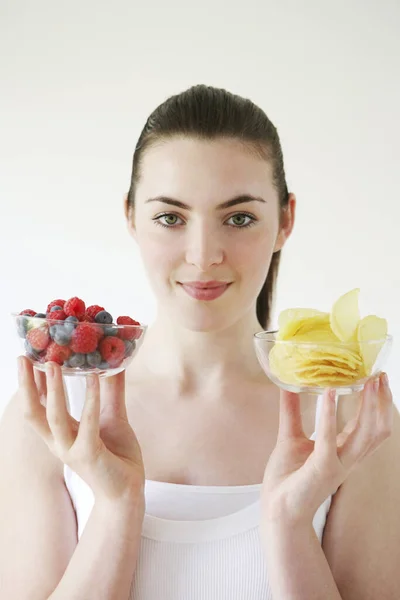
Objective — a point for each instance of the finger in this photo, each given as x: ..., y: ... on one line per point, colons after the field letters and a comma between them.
x: 58, y: 417
x: 113, y: 395
x: 34, y: 412
x: 363, y: 435
x: 325, y: 441
x: 88, y: 433
x: 384, y: 423
x: 290, y: 423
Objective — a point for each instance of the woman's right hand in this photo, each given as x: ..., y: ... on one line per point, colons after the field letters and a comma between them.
x: 102, y: 448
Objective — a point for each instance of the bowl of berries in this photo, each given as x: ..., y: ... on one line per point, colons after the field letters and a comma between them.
x: 81, y: 339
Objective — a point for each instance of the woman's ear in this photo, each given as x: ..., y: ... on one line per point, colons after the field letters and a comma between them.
x: 129, y: 216
x: 287, y: 223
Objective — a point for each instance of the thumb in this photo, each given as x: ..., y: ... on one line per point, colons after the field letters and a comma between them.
x: 290, y: 423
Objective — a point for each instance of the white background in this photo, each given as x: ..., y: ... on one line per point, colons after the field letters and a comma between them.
x: 78, y: 80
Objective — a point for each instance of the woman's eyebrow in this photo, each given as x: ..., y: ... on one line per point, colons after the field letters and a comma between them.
x: 241, y: 199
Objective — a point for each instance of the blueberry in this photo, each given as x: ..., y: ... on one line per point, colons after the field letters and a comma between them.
x: 70, y: 323
x: 103, y: 317
x: 53, y: 331
x: 111, y: 330
x: 53, y: 308
x: 31, y: 352
x: 130, y: 346
x: 62, y: 337
x: 76, y: 361
x: 28, y: 348
x: 40, y: 316
x: 21, y: 327
x: 94, y: 359
x: 104, y: 365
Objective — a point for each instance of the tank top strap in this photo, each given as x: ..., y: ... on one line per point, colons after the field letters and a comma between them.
x: 75, y: 388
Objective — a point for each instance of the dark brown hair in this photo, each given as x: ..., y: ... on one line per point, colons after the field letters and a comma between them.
x: 208, y: 113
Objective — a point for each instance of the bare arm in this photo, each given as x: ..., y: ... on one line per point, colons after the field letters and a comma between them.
x: 104, y: 561
x: 39, y: 554
x: 349, y: 564
x: 297, y: 566
x: 362, y: 535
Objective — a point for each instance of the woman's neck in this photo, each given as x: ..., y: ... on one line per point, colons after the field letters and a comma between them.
x: 196, y: 360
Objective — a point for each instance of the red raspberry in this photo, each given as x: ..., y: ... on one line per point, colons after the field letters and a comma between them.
x: 92, y: 311
x: 128, y: 333
x: 55, y: 303
x: 99, y: 330
x: 84, y: 338
x: 38, y: 338
x: 112, y: 349
x: 96, y: 326
x: 75, y: 307
x: 28, y: 312
x: 56, y: 315
x: 86, y: 319
x: 57, y: 354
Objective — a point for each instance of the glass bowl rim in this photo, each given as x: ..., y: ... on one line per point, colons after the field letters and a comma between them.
x: 259, y: 337
x: 59, y: 322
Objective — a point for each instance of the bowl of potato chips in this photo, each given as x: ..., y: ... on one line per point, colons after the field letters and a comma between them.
x: 313, y: 350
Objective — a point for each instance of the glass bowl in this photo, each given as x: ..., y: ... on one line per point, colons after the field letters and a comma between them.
x: 79, y: 347
x: 313, y: 366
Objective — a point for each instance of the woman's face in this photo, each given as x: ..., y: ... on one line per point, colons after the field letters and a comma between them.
x: 207, y: 211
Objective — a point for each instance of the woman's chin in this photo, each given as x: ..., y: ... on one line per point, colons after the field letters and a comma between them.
x: 203, y: 323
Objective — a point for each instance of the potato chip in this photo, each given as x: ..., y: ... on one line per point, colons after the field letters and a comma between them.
x: 371, y: 328
x: 345, y: 316
x: 292, y: 319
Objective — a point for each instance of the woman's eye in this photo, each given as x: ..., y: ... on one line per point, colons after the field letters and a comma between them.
x: 242, y: 220
x: 167, y: 220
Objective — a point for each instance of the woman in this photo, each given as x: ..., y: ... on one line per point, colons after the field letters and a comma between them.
x: 225, y: 487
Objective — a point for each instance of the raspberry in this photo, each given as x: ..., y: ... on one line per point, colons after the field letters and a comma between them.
x: 99, y: 330
x: 56, y: 315
x: 128, y: 333
x: 38, y: 338
x: 29, y: 312
x: 92, y: 311
x: 112, y: 350
x: 75, y: 307
x: 57, y: 354
x: 86, y: 319
x: 84, y: 339
x: 55, y: 303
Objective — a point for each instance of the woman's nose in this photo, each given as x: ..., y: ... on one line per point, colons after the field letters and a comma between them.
x: 204, y: 247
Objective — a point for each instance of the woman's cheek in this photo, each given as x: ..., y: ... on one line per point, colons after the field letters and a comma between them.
x: 160, y: 256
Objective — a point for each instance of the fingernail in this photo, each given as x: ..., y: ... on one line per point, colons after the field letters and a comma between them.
x: 50, y: 370
x: 332, y: 395
x: 376, y: 384
x: 385, y: 380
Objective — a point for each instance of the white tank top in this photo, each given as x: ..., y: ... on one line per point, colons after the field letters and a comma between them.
x: 198, y: 542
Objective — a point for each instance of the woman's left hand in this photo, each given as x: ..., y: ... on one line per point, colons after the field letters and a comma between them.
x: 301, y: 474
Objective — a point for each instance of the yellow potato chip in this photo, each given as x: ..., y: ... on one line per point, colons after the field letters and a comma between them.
x: 292, y: 319
x: 326, y: 370
x: 345, y: 316
x: 371, y: 329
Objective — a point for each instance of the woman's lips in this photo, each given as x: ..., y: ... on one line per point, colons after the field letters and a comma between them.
x: 205, y: 291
